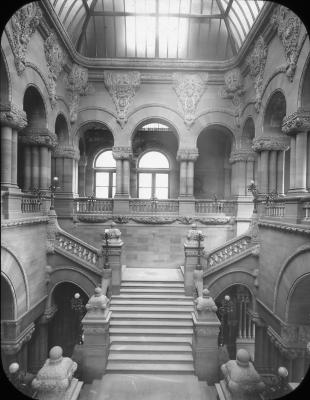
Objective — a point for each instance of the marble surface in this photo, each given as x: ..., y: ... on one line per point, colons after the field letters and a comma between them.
x: 152, y: 274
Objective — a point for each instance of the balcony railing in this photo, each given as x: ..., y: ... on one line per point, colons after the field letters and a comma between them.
x: 30, y: 204
x: 93, y: 205
x: 215, y: 207
x: 276, y: 209
x: 306, y: 211
x: 140, y: 206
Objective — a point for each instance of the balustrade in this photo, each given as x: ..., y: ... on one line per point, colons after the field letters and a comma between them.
x: 215, y: 207
x: 30, y: 204
x: 154, y: 206
x: 276, y: 209
x: 306, y: 211
x: 93, y: 206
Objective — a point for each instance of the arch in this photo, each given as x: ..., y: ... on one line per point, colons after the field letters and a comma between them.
x: 34, y: 106
x: 13, y: 271
x: 294, y: 267
x: 8, y: 298
x: 98, y: 116
x: 274, y: 112
x: 61, y: 128
x: 236, y: 284
x: 145, y: 153
x: 303, y: 92
x: 298, y: 300
x: 5, y: 84
x: 248, y: 132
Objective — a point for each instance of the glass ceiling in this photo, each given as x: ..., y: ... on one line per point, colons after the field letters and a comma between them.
x: 174, y: 29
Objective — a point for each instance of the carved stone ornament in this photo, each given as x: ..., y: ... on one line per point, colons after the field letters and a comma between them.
x: 122, y: 153
x: 66, y: 151
x: 54, y: 378
x: 11, y: 115
x: 55, y: 59
x: 114, y: 235
x: 193, y: 236
x: 38, y: 137
x: 242, y: 155
x: 277, y: 143
x: 299, y: 121
x: 234, y: 90
x: 189, y: 89
x: 98, y: 302
x: 288, y: 26
x: 122, y: 87
x: 289, y: 343
x: 51, y: 232
x: 205, y: 304
x: 187, y: 155
x: 77, y: 85
x: 296, y: 334
x: 257, y: 62
x: 24, y: 23
x: 241, y: 378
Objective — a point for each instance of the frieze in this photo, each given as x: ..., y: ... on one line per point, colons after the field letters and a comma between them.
x: 189, y: 88
x: 66, y: 152
x: 299, y: 121
x: 187, y: 155
x: 55, y: 59
x: 38, y: 137
x: 122, y: 153
x: 11, y: 115
x: 122, y: 87
x: 77, y: 85
x: 270, y: 143
x: 24, y: 23
x: 257, y: 62
x: 288, y: 28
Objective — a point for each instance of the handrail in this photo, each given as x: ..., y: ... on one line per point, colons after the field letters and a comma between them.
x: 86, y: 205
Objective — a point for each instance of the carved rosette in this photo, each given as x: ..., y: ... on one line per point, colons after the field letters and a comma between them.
x: 24, y: 23
x: 257, y: 62
x: 233, y: 90
x: 55, y: 59
x: 61, y: 151
x: 38, y: 137
x: 296, y: 122
x: 77, y: 86
x: 189, y: 89
x: 270, y: 143
x: 11, y: 115
x: 241, y: 155
x: 288, y: 27
x: 122, y: 87
x: 187, y: 155
x: 122, y: 153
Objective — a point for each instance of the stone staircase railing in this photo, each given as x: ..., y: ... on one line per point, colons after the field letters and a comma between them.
x: 76, y: 249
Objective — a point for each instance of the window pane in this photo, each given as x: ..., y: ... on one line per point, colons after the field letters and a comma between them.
x: 145, y: 180
x: 102, y: 179
x: 161, y: 193
x: 161, y: 180
x: 102, y: 191
x: 105, y: 160
x: 154, y: 159
x: 145, y: 193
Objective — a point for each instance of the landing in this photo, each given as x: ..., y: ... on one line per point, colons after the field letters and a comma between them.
x: 152, y: 274
x: 149, y: 387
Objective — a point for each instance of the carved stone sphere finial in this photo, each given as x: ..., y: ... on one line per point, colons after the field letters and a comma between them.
x: 55, y: 354
x: 243, y: 358
x: 206, y: 293
x: 194, y: 226
x: 13, y: 368
x: 98, y: 291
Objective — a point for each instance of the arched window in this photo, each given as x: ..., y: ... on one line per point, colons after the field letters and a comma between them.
x: 105, y: 170
x: 153, y: 176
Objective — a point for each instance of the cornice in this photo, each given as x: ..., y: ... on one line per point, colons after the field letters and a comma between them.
x: 284, y: 226
x: 24, y: 221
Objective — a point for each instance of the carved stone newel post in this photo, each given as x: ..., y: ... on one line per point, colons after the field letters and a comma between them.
x: 54, y: 380
x: 192, y: 247
x: 206, y: 331
x: 95, y: 349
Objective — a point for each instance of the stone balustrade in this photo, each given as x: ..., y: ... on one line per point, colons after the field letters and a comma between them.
x: 93, y: 206
x: 306, y: 211
x: 215, y: 207
x: 276, y: 209
x: 30, y: 204
x: 154, y: 206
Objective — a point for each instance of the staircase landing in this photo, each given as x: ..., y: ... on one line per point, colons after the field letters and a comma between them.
x: 152, y: 274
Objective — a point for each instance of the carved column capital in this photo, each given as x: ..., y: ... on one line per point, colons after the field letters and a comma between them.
x: 122, y: 153
x: 34, y: 136
x: 122, y: 87
x: 187, y: 154
x: 299, y: 121
x: 277, y: 143
x: 11, y: 115
x: 242, y: 155
x: 66, y: 151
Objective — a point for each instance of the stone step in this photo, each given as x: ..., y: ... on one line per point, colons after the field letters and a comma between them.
x: 151, y: 290
x: 155, y: 296
x: 151, y: 348
x: 145, y: 368
x: 156, y: 316
x: 153, y: 323
x: 155, y: 284
x: 146, y: 309
x: 151, y: 357
x: 151, y: 331
x: 163, y: 302
x: 127, y: 339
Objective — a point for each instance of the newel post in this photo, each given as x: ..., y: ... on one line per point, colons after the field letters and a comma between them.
x: 192, y: 250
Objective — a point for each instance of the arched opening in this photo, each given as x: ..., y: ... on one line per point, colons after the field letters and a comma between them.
x: 105, y: 174
x: 247, y: 137
x: 34, y: 108
x: 65, y: 328
x: 4, y: 82
x: 212, y: 168
x: 7, y: 300
x: 154, y: 169
x: 237, y: 329
x: 61, y: 129
x: 279, y: 160
x: 305, y: 92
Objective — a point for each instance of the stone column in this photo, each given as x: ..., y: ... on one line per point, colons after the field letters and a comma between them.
x: 6, y: 155
x: 187, y: 157
x: 190, y: 178
x: 280, y: 171
x: 264, y: 171
x: 308, y: 162
x: 27, y: 168
x: 183, y: 178
x: 121, y: 199
x: 301, y: 162
x: 14, y: 156
x: 126, y: 176
x: 35, y: 167
x: 239, y: 159
x: 44, y: 172
x: 81, y: 177
x: 293, y: 163
x: 272, y: 171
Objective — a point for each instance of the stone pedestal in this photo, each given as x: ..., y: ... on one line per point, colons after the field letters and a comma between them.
x: 293, y: 210
x: 186, y: 206
x: 11, y: 203
x: 244, y: 210
x: 205, y: 339
x: 121, y: 205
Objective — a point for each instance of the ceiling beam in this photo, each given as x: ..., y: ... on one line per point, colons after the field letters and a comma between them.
x: 228, y: 7
x: 86, y: 5
x: 231, y: 37
x: 85, y: 23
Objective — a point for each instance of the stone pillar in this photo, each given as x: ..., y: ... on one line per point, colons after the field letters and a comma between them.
x: 126, y: 176
x: 191, y: 251
x: 95, y: 350
x: 44, y: 172
x: 280, y: 171
x: 301, y: 162
x: 272, y: 171
x: 190, y: 178
x: 14, y: 156
x: 264, y: 171
x: 292, y: 163
x: 35, y: 167
x: 6, y: 155
x: 81, y: 176
x: 187, y: 157
x: 119, y: 177
x: 183, y: 178
x: 205, y: 338
x: 240, y: 171
x: 27, y: 168
x: 122, y: 156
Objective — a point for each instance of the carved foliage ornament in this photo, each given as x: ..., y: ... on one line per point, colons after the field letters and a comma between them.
x: 77, y: 85
x: 122, y: 153
x: 233, y: 90
x: 189, y: 89
x: 66, y: 152
x: 288, y: 25
x: 11, y: 115
x: 55, y: 59
x: 24, y: 23
x: 187, y: 155
x: 122, y: 87
x: 297, y: 122
x: 257, y: 62
x: 270, y: 143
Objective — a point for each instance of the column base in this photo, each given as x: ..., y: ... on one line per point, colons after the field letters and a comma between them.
x: 297, y: 192
x: 11, y: 198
